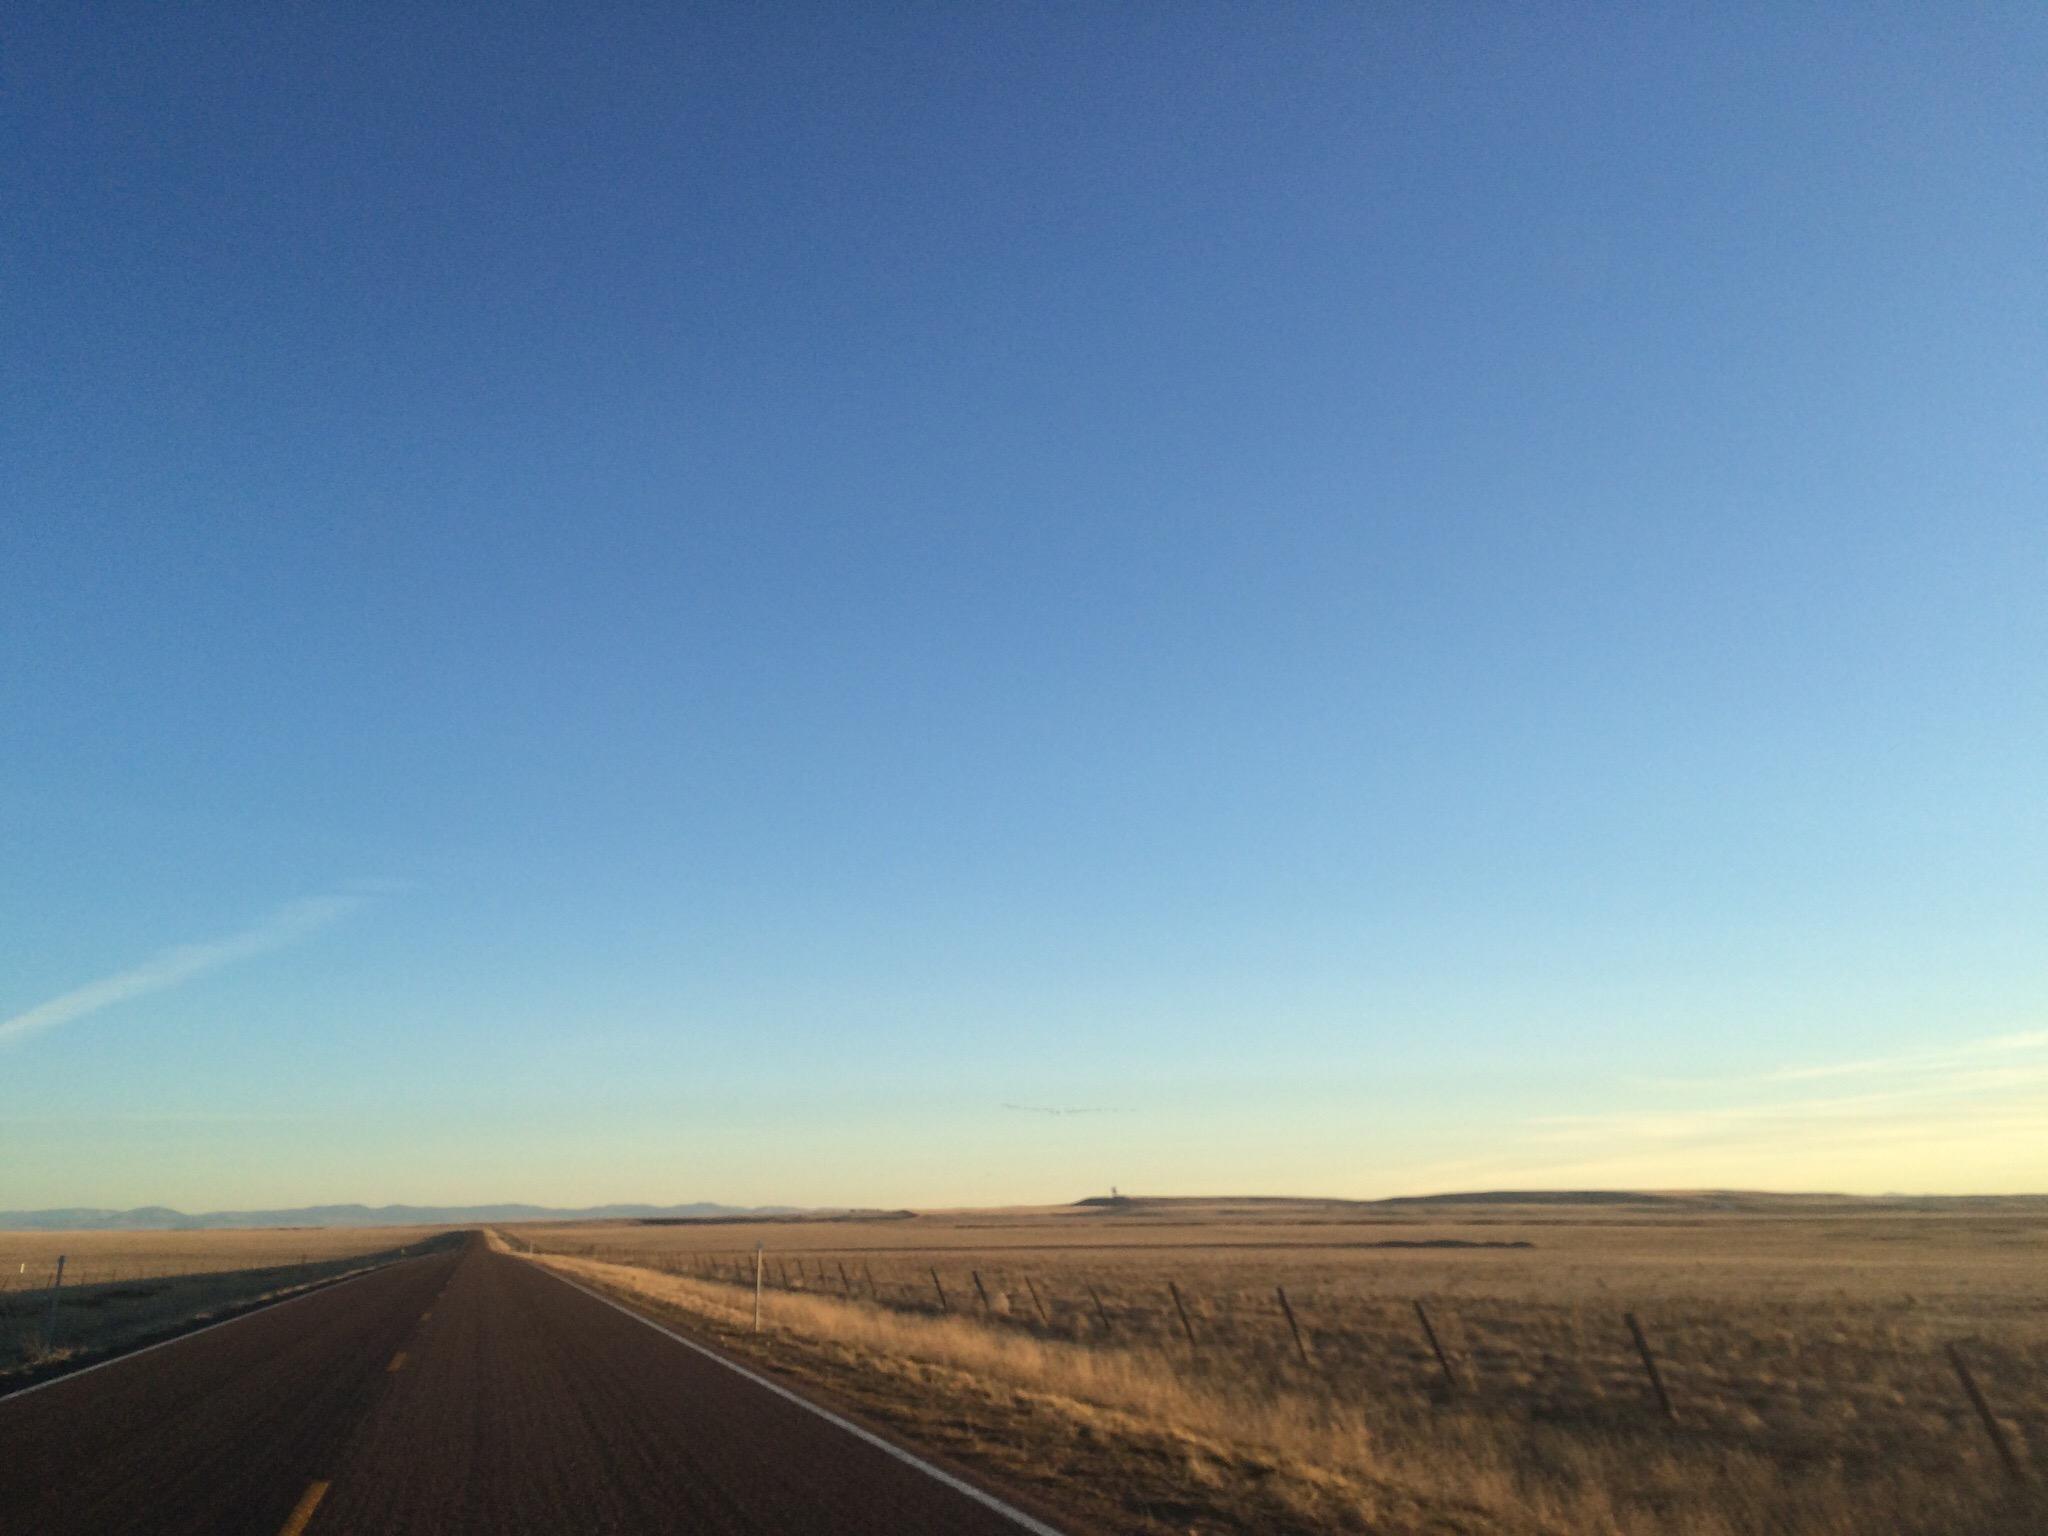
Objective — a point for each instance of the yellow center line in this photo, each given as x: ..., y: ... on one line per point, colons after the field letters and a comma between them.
x: 397, y: 1362
x: 303, y: 1510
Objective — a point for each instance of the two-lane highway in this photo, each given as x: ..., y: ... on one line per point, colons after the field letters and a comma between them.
x: 215, y: 1432
x: 468, y: 1392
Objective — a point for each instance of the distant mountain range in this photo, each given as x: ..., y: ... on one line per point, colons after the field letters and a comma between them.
x: 161, y: 1218
x: 1255, y: 1207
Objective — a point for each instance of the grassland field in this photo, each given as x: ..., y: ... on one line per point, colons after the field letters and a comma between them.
x: 1804, y: 1348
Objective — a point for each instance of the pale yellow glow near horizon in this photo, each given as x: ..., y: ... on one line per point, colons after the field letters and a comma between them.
x: 1971, y: 1118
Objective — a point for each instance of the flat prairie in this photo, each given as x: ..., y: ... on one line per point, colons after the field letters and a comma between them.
x: 1803, y: 1347
x: 27, y: 1257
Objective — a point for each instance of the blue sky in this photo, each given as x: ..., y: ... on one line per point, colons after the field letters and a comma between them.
x: 641, y: 604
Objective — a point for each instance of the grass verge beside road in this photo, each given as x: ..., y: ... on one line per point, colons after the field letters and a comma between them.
x: 1102, y: 1434
x: 112, y: 1305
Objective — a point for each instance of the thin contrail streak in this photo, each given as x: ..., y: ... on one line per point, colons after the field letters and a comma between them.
x: 1043, y: 1109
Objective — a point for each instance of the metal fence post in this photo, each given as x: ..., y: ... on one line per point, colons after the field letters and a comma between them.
x: 1295, y: 1327
x: 1992, y: 1427
x: 50, y: 1327
x: 1443, y: 1360
x: 1186, y: 1327
x: 1650, y: 1365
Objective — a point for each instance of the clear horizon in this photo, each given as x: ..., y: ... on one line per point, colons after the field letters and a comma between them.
x: 921, y: 607
x: 770, y: 1209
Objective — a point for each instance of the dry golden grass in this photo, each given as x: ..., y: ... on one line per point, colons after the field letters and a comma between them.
x: 121, y: 1288
x: 1804, y: 1351
x: 1159, y: 1454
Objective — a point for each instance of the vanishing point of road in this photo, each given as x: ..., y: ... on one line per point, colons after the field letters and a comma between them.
x: 466, y: 1391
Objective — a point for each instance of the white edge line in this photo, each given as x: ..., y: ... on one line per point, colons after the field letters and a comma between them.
x: 957, y: 1484
x: 268, y: 1306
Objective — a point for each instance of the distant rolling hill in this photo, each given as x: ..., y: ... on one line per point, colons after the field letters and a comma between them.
x: 160, y: 1218
x: 1754, y: 1202
x: 1758, y: 1201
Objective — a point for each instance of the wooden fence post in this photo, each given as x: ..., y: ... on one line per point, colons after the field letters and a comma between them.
x: 981, y: 1290
x: 944, y: 1305
x: 845, y: 1284
x: 1992, y: 1427
x: 1293, y: 1326
x: 873, y: 1289
x: 1443, y: 1360
x: 1650, y: 1365
x: 1186, y: 1327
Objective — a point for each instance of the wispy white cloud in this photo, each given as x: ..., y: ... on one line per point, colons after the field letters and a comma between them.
x: 182, y: 963
x: 2024, y: 1041
x: 1960, y: 1116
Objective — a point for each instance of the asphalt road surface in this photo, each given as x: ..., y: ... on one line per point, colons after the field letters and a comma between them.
x: 462, y: 1392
